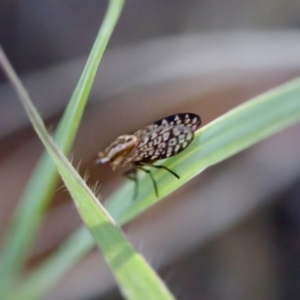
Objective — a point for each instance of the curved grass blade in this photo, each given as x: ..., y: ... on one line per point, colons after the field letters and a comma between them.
x: 36, y: 197
x: 231, y: 133
x: 136, y: 279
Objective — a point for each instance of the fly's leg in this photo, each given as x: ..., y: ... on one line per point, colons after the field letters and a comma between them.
x: 165, y: 168
x: 151, y: 176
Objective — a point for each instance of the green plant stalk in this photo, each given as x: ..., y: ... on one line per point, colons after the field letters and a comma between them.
x: 233, y: 132
x: 135, y: 277
x: 39, y: 191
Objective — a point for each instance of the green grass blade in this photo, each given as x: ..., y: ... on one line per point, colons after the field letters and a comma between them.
x: 135, y: 277
x: 40, y: 188
x: 233, y: 132
x: 236, y: 130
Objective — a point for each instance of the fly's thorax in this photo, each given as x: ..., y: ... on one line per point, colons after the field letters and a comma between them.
x: 117, y: 152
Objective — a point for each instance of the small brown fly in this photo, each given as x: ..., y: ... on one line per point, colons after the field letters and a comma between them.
x: 141, y: 149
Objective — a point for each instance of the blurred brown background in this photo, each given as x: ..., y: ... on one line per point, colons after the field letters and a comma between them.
x: 233, y: 232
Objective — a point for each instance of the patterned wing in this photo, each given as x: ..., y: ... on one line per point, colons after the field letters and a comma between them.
x: 188, y: 119
x: 165, y: 137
